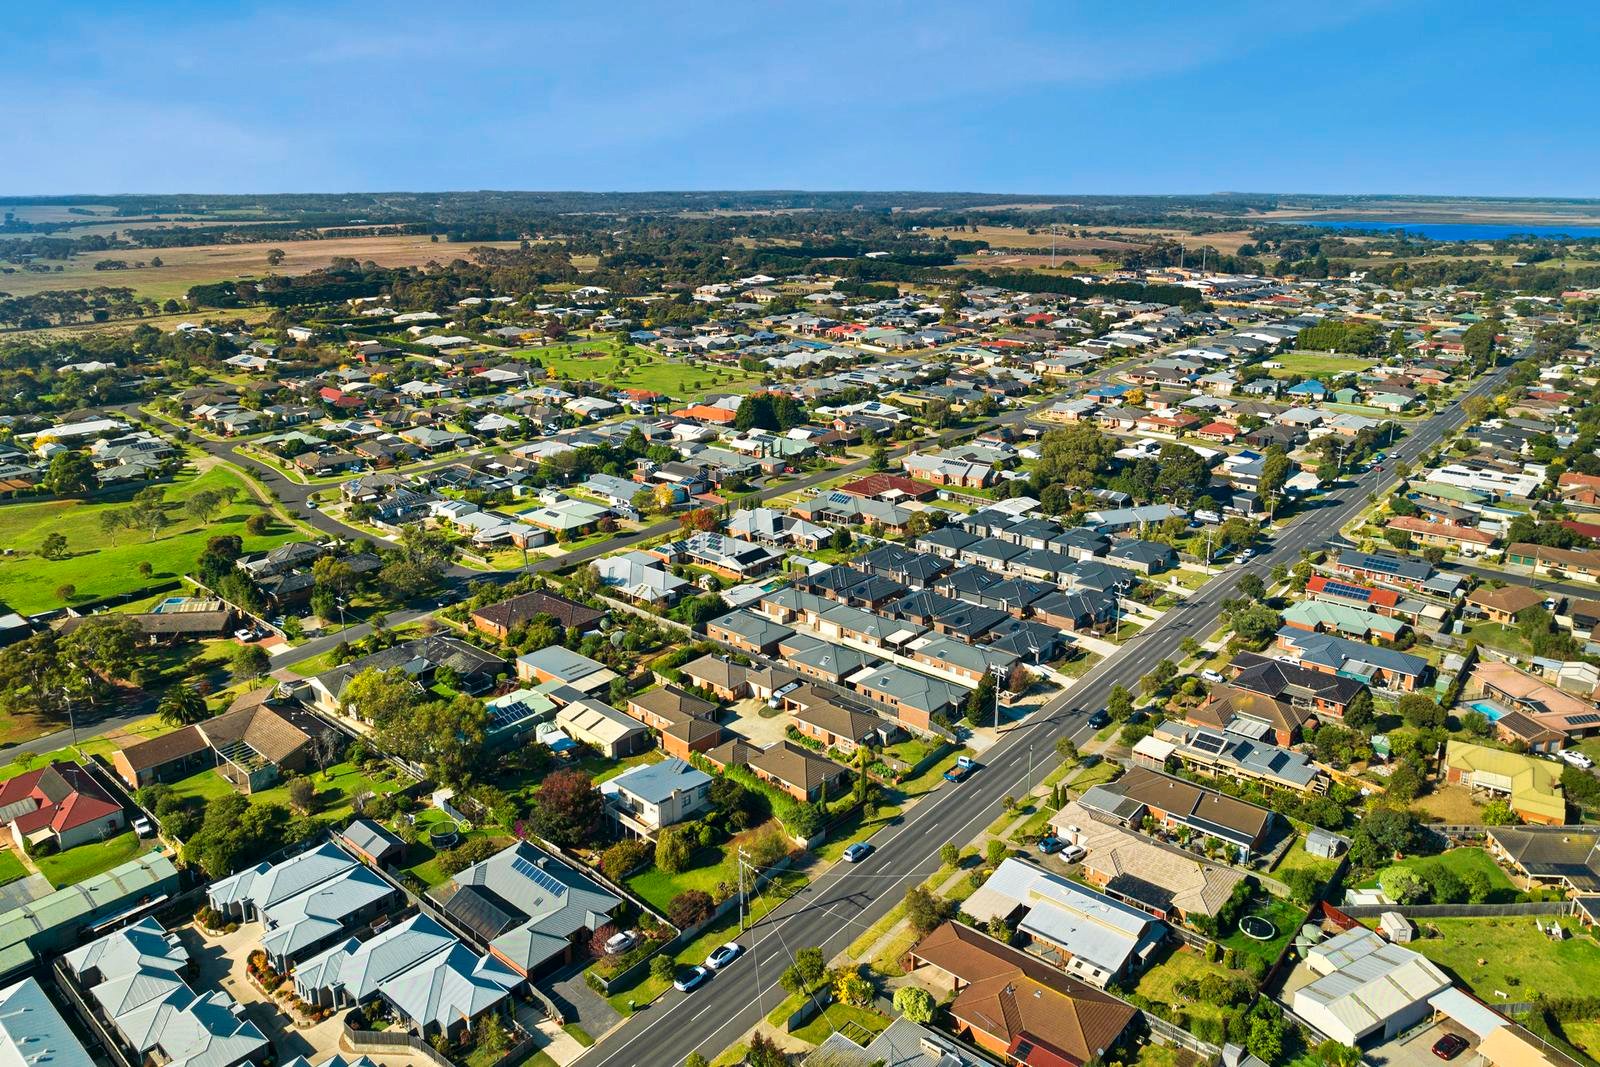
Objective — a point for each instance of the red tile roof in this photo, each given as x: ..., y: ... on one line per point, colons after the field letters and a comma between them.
x: 66, y: 795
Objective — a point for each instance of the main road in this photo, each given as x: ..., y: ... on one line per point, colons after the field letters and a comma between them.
x: 845, y: 899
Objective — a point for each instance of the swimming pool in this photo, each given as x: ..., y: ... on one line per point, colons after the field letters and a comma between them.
x: 1490, y: 711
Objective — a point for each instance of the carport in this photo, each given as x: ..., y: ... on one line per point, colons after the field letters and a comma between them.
x: 1470, y: 1014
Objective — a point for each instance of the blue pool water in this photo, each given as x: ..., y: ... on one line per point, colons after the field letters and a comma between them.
x: 1453, y: 231
x: 1490, y: 711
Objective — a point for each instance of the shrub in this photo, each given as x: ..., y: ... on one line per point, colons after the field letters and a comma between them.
x: 689, y: 907
x: 915, y: 1004
x: 624, y: 857
x: 662, y: 967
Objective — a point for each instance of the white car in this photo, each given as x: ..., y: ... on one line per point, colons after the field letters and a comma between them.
x: 1211, y: 676
x: 723, y: 955
x: 1072, y: 853
x: 1576, y: 758
x: 142, y: 827
x: 620, y: 942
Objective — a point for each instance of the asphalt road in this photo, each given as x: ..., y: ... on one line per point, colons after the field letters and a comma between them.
x: 844, y: 900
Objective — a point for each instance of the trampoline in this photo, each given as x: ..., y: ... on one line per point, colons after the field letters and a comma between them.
x: 1257, y: 928
x: 443, y: 838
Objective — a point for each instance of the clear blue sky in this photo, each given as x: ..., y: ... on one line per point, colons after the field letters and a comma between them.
x: 1457, y: 97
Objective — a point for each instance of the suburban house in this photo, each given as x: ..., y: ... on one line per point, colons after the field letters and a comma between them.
x: 556, y: 663
x: 305, y: 902
x: 498, y: 620
x: 533, y: 911
x: 684, y: 723
x: 603, y: 728
x: 845, y: 729
x: 136, y: 983
x: 1366, y: 989
x: 1382, y: 668
x: 732, y: 681
x: 1568, y: 859
x: 1179, y: 804
x: 1531, y: 785
x: 420, y: 659
x: 748, y: 632
x: 431, y: 981
x: 1087, y: 934
x: 792, y: 768
x: 1503, y: 605
x: 645, y: 798
x: 1017, y: 1006
x: 915, y: 697
x: 1129, y: 867
x: 61, y: 805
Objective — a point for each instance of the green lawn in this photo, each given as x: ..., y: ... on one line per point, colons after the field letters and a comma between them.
x: 1280, y: 913
x: 86, y: 861
x: 642, y: 369
x: 856, y: 828
x: 838, y: 1017
x: 106, y: 564
x: 1516, y: 959
x: 336, y: 790
x: 1295, y: 857
x: 423, y: 859
x: 1317, y: 364
x: 1498, y: 635
x: 1157, y: 983
x: 1459, y: 861
x: 709, y: 866
x: 11, y: 868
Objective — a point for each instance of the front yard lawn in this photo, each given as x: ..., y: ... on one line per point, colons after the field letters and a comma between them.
x: 710, y: 866
x: 86, y: 861
x: 838, y: 1017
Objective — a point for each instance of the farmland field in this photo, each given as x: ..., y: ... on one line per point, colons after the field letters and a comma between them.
x: 185, y: 267
x: 638, y: 369
x: 101, y: 563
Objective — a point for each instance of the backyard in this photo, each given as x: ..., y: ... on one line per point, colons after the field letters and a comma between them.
x: 103, y: 563
x: 86, y: 861
x: 1458, y: 861
x: 1506, y: 955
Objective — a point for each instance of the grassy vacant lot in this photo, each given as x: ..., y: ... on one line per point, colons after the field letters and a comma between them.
x: 1516, y: 959
x: 1316, y: 364
x: 86, y: 861
x: 184, y: 267
x: 638, y: 368
x: 103, y: 563
x: 1158, y: 983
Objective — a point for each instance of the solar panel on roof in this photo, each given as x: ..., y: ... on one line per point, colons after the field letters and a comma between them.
x: 1210, y: 743
x: 543, y: 879
x: 1354, y: 592
x: 1583, y: 720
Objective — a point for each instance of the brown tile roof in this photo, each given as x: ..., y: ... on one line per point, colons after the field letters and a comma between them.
x: 670, y: 702
x: 796, y: 765
x: 1185, y: 799
x: 841, y: 722
x: 1510, y: 598
x: 519, y: 609
x: 275, y: 734
x: 1226, y: 701
x: 1016, y: 998
x: 165, y: 749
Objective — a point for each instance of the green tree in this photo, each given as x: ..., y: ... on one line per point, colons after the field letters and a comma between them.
x: 54, y: 545
x: 1076, y: 455
x: 981, y: 702
x: 925, y: 911
x: 915, y: 1004
x: 674, y: 850
x: 69, y: 472
x: 250, y: 662
x: 182, y: 705
x: 378, y: 696
x: 1119, y: 703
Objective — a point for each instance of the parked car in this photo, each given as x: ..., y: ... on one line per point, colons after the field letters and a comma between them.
x: 1576, y: 758
x: 1099, y: 719
x: 621, y: 942
x: 142, y: 827
x: 1073, y: 853
x: 857, y: 852
x: 723, y: 955
x: 1050, y: 843
x: 1211, y: 676
x: 1450, y: 1046
x: 690, y: 980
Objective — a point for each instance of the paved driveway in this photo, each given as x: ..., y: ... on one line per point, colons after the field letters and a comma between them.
x: 578, y: 1003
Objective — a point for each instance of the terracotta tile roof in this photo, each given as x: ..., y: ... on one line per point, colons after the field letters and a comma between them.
x: 1022, y: 1001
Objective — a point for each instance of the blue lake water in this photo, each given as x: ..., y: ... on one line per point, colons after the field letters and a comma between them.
x: 1453, y: 231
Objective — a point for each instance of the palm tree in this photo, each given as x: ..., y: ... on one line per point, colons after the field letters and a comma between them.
x: 182, y: 705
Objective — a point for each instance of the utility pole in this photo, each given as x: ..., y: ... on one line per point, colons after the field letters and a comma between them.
x: 743, y: 904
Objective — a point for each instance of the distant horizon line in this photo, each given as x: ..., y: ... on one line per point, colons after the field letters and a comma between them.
x: 7, y: 198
